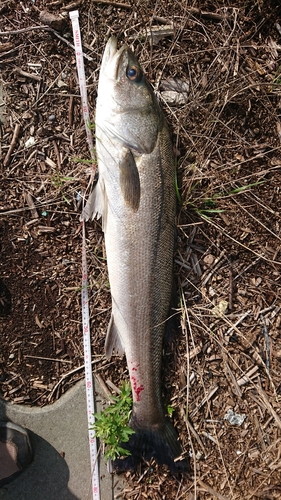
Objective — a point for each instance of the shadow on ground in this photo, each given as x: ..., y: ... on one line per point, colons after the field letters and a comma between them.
x: 46, y: 478
x: 59, y: 437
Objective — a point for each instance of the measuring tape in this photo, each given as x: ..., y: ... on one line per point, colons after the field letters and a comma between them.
x: 88, y: 373
x: 74, y: 16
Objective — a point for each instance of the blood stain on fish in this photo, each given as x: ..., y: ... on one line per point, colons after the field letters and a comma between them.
x: 137, y: 388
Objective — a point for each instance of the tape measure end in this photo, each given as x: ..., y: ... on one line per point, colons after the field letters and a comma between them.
x: 74, y: 14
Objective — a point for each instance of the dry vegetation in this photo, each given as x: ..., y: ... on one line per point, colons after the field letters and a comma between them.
x: 226, y: 129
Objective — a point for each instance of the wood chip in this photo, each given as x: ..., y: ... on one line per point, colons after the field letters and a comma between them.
x: 31, y: 205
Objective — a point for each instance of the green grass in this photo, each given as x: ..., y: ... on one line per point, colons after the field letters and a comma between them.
x: 210, y: 204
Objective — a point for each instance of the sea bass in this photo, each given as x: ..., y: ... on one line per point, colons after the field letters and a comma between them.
x: 135, y: 196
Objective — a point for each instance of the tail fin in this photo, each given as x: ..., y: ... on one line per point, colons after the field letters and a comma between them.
x: 161, y: 444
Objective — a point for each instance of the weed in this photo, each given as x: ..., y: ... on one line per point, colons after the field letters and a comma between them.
x: 277, y: 77
x: 210, y: 203
x: 177, y: 189
x: 241, y: 189
x: 84, y: 161
x: 59, y: 181
x: 111, y: 425
x: 170, y: 410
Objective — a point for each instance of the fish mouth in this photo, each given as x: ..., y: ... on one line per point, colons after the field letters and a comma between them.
x: 110, y: 48
x: 112, y: 57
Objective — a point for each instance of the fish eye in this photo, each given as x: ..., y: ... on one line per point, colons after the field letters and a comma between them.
x: 134, y: 73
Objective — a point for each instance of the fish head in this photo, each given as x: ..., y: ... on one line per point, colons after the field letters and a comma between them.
x: 127, y: 109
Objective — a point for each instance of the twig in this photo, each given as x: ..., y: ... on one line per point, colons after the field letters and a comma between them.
x: 12, y: 145
x: 56, y: 148
x: 113, y: 386
x: 195, y: 434
x: 194, y: 352
x: 230, y: 294
x: 259, y: 431
x: 162, y: 20
x: 45, y: 229
x: 103, y: 385
x: 208, y: 15
x: 267, y: 344
x: 258, y: 359
x: 264, y: 399
x: 31, y: 205
x: 195, y: 265
x: 23, y: 30
x: 9, y: 53
x: 278, y: 27
x: 247, y: 268
x: 143, y: 475
x: 68, y: 374
x: 45, y: 28
x: 236, y: 66
x: 208, y: 396
x: 32, y: 76
x: 48, y: 359
x: 238, y: 322
x: 196, y: 11
x: 70, y: 110
x: 247, y: 376
x: 218, y: 263
x: 114, y: 4
x: 184, y: 323
x: 70, y: 6
x: 263, y: 311
x: 68, y: 43
x: 233, y: 379
x: 42, y: 96
x: 181, y: 263
x: 209, y: 436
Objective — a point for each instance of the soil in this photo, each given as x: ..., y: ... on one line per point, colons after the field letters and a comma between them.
x: 222, y: 60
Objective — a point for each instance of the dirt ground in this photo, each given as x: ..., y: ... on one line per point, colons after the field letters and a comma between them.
x: 216, y: 67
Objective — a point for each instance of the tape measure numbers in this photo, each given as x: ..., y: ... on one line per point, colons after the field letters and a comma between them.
x: 74, y: 16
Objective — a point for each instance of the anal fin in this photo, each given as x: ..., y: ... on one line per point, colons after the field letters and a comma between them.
x: 113, y: 341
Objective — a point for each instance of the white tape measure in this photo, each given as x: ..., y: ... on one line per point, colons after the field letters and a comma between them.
x: 74, y: 16
x: 88, y: 372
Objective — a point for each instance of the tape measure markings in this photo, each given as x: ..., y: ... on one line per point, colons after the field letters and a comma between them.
x: 74, y: 16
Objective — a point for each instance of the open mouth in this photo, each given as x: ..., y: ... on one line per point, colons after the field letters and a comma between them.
x: 113, y: 56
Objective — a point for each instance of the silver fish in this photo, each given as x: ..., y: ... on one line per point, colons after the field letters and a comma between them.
x: 135, y: 195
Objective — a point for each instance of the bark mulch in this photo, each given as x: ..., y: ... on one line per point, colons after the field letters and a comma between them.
x: 216, y: 67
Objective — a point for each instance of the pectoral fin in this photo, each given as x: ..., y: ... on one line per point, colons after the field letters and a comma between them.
x: 130, y: 181
x: 113, y: 341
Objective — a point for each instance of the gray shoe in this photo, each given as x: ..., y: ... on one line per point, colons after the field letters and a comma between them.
x: 15, y: 451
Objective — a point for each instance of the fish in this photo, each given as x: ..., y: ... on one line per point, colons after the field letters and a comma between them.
x: 135, y: 196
